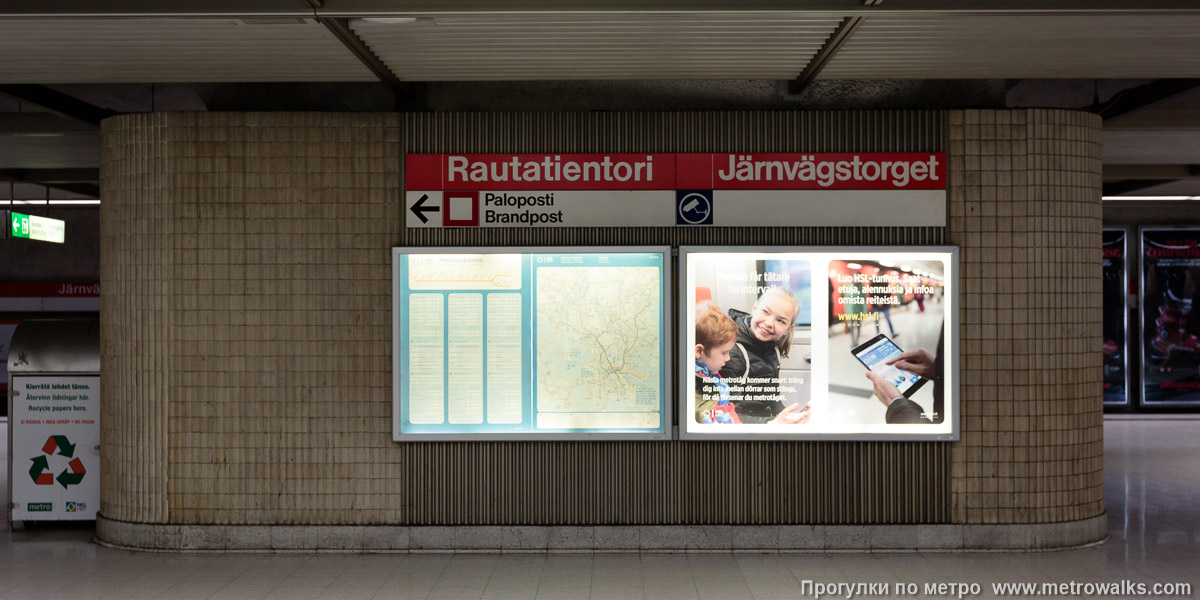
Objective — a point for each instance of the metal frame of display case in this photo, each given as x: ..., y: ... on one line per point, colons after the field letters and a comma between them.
x: 952, y: 343
x: 665, y: 431
x: 1142, y: 403
x: 1125, y: 350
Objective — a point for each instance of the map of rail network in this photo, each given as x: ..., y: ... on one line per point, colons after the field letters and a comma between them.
x: 501, y: 345
x: 598, y: 345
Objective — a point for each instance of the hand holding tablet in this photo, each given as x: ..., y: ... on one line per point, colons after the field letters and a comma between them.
x: 883, y: 358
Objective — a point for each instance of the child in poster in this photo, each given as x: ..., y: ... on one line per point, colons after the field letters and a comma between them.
x: 716, y: 335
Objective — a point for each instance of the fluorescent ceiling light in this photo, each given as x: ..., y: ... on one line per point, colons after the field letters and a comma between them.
x: 1150, y: 197
x: 853, y: 266
x: 392, y: 20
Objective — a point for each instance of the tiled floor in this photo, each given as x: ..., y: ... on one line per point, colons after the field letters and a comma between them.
x: 1152, y: 487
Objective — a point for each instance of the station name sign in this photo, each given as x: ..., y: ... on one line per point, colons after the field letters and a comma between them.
x: 712, y: 189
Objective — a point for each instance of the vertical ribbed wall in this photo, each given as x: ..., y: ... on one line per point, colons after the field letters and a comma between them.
x: 279, y: 348
x: 1025, y: 208
x: 136, y: 238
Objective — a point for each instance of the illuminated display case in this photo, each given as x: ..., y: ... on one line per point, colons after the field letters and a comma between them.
x: 777, y: 343
x: 516, y: 343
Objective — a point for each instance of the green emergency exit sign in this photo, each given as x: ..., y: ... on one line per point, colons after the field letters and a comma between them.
x: 32, y: 227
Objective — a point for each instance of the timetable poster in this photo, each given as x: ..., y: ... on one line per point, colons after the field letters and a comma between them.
x: 557, y: 342
x: 1115, y: 319
x: 1171, y: 341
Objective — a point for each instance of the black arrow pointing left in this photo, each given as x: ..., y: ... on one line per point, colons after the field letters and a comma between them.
x: 420, y: 209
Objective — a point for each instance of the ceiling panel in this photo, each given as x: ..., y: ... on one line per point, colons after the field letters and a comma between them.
x: 1021, y: 46
x: 172, y: 50
x: 598, y: 46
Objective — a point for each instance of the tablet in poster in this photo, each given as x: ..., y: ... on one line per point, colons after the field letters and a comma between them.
x: 818, y: 343
x: 510, y: 344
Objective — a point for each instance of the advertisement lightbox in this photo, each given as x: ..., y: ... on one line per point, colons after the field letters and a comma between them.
x: 1170, y: 283
x: 511, y: 343
x: 1116, y: 319
x: 846, y: 343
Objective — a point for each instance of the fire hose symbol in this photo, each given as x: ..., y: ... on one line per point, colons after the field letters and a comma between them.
x: 40, y: 471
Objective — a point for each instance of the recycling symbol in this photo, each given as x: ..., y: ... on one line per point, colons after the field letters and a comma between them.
x: 40, y: 471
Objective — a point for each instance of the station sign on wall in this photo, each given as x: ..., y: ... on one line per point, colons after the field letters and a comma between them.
x: 658, y: 190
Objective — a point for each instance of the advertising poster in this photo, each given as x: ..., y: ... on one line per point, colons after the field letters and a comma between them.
x: 1170, y: 287
x: 1116, y: 317
x: 55, y: 429
x: 822, y: 343
x: 567, y: 343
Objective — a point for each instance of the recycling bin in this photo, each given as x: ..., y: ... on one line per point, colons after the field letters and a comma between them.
x: 54, y: 421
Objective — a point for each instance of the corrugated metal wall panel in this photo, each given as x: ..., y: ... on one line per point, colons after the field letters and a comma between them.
x: 675, y: 482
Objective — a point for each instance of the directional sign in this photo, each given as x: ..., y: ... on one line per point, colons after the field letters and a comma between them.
x: 32, y: 227
x: 688, y: 190
x: 420, y: 208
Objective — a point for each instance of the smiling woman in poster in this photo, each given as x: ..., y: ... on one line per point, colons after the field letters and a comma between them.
x: 763, y: 337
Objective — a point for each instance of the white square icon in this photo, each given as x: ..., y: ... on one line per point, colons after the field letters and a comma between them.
x: 460, y: 208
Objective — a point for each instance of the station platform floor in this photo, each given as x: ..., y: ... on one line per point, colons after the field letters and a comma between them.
x: 1152, y: 490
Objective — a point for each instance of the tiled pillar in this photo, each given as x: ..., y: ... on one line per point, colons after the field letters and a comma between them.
x: 1025, y: 209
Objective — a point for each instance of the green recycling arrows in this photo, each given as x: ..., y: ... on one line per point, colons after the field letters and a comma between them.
x: 40, y: 471
x: 65, y: 447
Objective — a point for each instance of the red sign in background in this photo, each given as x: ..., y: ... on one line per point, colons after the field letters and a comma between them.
x: 709, y: 171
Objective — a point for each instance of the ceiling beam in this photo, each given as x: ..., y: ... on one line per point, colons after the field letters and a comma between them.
x: 91, y: 190
x: 1144, y: 96
x: 839, y: 37
x: 384, y: 8
x: 84, y: 182
x: 1167, y: 119
x: 1151, y: 172
x: 154, y: 8
x: 30, y: 123
x: 44, y: 176
x: 1117, y: 188
x: 56, y: 102
x: 406, y: 93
